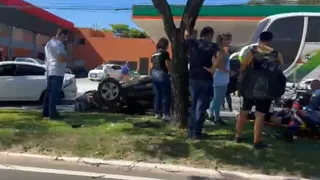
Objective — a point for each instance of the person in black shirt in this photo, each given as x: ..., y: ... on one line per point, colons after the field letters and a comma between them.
x: 161, y: 80
x: 201, y: 53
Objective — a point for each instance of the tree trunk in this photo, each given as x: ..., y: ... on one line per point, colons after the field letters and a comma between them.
x: 180, y: 100
x: 179, y: 71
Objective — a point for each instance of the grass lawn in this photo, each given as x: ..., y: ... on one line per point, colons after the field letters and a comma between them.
x: 116, y: 136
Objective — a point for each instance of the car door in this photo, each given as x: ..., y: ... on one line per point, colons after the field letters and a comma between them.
x: 7, y: 90
x: 31, y: 81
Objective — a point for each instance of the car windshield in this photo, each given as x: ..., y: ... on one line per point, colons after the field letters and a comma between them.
x: 99, y: 67
x: 261, y: 26
x: 40, y: 61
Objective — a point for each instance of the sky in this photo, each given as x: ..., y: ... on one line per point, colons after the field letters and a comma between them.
x: 102, y: 18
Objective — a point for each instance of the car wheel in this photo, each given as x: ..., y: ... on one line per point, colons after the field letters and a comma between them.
x: 109, y: 91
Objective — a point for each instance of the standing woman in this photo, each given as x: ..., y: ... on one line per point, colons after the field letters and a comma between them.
x: 161, y: 80
x: 220, y: 70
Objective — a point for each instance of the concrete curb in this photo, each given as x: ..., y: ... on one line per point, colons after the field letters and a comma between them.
x: 164, y: 167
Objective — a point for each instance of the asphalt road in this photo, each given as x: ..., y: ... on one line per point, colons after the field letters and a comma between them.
x: 22, y: 168
x: 84, y: 85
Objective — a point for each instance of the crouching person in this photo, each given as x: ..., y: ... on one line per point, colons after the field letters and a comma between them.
x: 305, y: 116
x: 161, y: 80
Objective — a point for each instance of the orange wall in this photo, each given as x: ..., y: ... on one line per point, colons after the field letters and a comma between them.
x: 19, y: 52
x: 101, y: 47
x: 4, y: 52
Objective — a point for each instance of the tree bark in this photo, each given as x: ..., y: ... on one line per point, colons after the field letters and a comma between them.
x: 179, y: 70
x: 179, y: 74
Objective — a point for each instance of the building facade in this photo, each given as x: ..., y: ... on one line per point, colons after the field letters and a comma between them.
x: 239, y: 20
x: 24, y: 29
x: 95, y: 47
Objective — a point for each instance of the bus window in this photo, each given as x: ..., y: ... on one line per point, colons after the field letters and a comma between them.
x: 287, y: 34
x: 259, y: 29
x: 313, y: 33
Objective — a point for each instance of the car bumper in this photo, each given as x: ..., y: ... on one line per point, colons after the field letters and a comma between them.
x: 95, y: 76
x: 70, y: 91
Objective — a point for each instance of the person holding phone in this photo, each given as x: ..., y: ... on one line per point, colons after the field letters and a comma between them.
x: 56, y: 63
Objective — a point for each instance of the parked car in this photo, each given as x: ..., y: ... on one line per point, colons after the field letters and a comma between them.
x: 105, y: 70
x: 37, y: 61
x: 24, y: 81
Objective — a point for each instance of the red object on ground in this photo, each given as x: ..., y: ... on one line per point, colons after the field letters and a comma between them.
x: 38, y: 12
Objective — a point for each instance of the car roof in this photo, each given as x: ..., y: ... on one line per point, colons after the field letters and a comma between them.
x: 111, y: 64
x: 21, y: 63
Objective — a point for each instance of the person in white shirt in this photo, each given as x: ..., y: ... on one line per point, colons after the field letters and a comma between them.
x: 56, y: 58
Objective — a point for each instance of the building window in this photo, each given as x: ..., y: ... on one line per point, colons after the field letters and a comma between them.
x: 4, y: 30
x: 80, y: 41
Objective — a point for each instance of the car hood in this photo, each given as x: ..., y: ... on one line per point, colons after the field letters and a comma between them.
x: 96, y: 71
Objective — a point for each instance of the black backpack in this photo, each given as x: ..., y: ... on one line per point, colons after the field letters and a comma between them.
x: 263, y: 78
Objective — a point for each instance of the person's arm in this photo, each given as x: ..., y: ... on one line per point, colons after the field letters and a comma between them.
x: 280, y: 59
x: 61, y: 53
x: 219, y: 63
x: 167, y: 60
x: 246, y: 61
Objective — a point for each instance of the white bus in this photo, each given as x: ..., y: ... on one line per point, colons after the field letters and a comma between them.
x: 297, y: 37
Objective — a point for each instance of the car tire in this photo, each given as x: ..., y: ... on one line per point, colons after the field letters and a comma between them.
x: 109, y: 92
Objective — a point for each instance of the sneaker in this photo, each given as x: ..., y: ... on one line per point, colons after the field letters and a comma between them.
x: 200, y: 136
x: 157, y: 116
x: 221, y: 122
x: 237, y: 139
x: 260, y: 145
x: 166, y: 118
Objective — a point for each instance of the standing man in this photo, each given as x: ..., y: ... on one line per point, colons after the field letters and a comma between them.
x: 201, y: 53
x: 56, y: 62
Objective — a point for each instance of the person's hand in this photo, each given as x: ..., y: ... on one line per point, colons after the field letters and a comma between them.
x: 210, y: 70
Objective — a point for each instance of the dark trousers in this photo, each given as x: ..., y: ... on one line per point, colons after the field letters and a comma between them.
x: 52, y: 96
x: 201, y: 92
x: 162, y: 92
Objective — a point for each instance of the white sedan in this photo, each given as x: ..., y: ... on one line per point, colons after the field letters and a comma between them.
x: 22, y: 81
x: 37, y: 61
x: 104, y: 70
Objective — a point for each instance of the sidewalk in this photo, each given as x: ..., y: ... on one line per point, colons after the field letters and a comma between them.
x: 164, y: 168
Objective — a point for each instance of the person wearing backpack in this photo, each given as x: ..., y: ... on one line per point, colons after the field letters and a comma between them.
x: 260, y: 82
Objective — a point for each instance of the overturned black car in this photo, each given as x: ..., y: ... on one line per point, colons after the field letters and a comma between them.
x: 134, y: 96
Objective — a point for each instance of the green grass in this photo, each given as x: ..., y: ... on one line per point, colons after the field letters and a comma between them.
x: 117, y: 136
